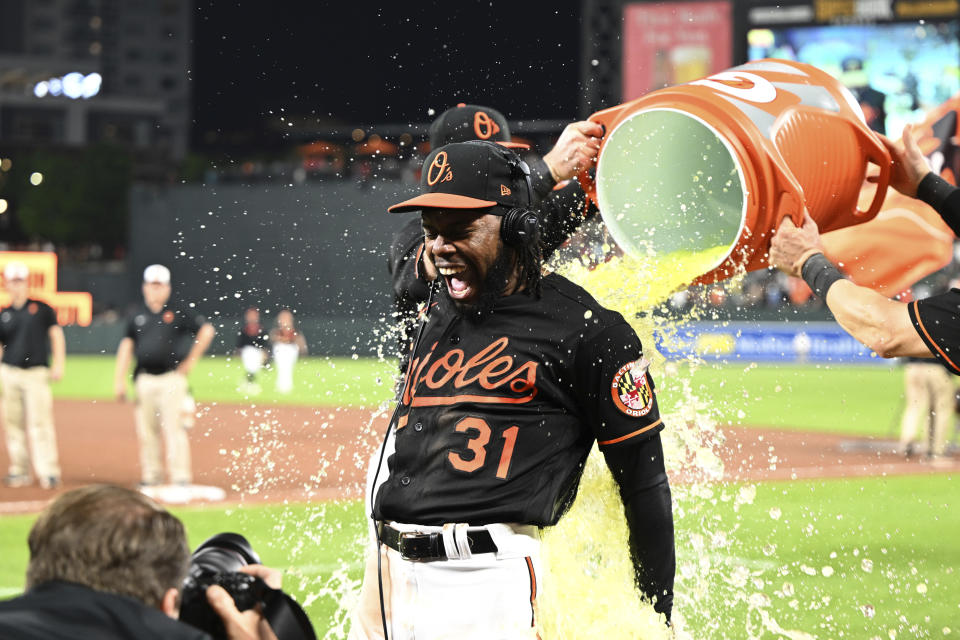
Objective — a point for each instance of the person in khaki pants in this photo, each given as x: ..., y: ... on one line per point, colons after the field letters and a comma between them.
x: 29, y: 335
x: 929, y: 391
x: 167, y: 341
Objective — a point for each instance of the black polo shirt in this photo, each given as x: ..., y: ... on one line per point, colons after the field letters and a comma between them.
x: 162, y: 340
x: 25, y: 334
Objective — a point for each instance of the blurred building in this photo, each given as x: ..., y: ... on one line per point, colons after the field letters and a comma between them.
x: 78, y: 72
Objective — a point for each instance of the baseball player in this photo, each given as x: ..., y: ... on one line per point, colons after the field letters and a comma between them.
x: 252, y: 345
x: 928, y: 328
x: 29, y: 336
x: 167, y: 341
x: 512, y: 378
x: 288, y: 345
x: 560, y: 202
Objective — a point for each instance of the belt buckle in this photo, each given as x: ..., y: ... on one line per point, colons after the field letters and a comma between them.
x: 413, y: 545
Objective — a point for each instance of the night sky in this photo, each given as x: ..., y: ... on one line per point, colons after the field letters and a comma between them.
x: 357, y: 63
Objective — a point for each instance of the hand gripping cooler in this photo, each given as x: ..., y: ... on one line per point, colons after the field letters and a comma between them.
x: 714, y: 165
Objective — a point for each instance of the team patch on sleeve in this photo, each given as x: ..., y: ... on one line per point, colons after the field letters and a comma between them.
x: 630, y: 390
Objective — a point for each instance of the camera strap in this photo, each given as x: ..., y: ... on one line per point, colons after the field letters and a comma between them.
x: 287, y: 618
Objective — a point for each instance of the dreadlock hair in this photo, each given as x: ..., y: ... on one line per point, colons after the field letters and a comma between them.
x: 530, y: 266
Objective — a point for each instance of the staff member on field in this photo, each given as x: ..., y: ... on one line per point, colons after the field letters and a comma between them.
x: 29, y: 336
x: 167, y: 341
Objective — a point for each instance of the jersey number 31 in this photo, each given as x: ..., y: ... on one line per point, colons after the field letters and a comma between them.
x: 479, y: 437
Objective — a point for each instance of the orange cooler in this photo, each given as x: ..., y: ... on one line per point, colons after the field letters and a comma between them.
x: 714, y: 165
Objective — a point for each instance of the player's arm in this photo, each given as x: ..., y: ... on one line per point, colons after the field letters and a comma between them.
x: 911, y: 175
x: 621, y: 406
x: 200, y: 345
x: 58, y: 351
x: 122, y: 368
x: 645, y: 491
x: 576, y: 149
x: 879, y: 323
x: 561, y: 214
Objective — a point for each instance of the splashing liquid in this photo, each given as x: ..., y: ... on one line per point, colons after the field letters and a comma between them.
x: 588, y: 589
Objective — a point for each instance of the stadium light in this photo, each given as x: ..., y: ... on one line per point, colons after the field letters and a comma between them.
x: 73, y: 85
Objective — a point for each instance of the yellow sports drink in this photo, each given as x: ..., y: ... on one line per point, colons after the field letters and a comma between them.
x: 711, y: 167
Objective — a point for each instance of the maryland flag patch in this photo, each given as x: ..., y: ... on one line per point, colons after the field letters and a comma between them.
x: 630, y: 390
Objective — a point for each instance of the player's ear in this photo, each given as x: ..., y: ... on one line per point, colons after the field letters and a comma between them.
x: 170, y: 604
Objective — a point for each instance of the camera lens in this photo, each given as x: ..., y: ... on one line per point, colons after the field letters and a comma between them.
x: 224, y: 553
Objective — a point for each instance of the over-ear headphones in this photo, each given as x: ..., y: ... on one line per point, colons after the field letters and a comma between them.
x: 520, y: 227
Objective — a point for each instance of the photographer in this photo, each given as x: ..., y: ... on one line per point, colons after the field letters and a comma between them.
x: 108, y: 563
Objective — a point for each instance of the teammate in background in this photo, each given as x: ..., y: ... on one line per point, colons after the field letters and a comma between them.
x: 167, y: 341
x: 34, y: 352
x: 513, y: 377
x: 929, y: 396
x: 288, y: 345
x: 252, y: 345
x: 561, y: 210
x: 928, y: 328
x: 108, y: 563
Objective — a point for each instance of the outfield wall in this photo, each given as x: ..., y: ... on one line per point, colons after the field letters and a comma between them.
x: 817, y: 342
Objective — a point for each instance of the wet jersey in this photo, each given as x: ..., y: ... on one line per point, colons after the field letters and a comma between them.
x: 25, y: 334
x: 498, y: 416
x: 162, y: 340
x: 937, y: 320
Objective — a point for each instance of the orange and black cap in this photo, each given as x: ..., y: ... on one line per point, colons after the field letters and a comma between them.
x: 471, y: 122
x: 470, y: 175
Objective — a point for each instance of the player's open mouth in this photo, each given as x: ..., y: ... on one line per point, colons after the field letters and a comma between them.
x: 458, y: 282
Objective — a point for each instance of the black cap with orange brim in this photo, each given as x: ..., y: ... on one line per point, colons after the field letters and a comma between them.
x: 469, y: 175
x: 471, y: 122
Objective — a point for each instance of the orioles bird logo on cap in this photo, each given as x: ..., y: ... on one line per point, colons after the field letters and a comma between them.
x: 439, y: 170
x: 484, y: 126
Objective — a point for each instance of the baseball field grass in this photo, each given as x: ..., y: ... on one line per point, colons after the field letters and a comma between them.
x: 843, y: 399
x: 856, y: 558
x: 873, y: 557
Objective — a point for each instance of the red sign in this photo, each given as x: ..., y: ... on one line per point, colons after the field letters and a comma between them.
x: 674, y: 42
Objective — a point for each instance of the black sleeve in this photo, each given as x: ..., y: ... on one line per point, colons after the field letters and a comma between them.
x: 409, y: 289
x: 937, y: 321
x: 943, y: 197
x: 541, y: 180
x: 131, y: 330
x: 616, y: 390
x: 49, y: 316
x: 645, y: 491
x: 561, y: 214
x: 190, y: 320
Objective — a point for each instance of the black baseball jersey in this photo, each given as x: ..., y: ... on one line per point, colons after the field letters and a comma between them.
x: 25, y: 334
x: 252, y: 335
x: 498, y: 416
x: 937, y: 320
x: 162, y: 340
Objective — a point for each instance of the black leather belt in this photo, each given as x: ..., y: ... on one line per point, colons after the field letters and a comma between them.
x: 414, y: 545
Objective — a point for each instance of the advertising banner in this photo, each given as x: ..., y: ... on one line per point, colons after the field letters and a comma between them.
x: 819, y: 342
x: 670, y: 43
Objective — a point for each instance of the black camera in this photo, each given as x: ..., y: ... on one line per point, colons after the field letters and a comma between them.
x: 218, y: 561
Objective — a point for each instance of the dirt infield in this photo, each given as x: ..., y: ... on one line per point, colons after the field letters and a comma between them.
x: 276, y: 453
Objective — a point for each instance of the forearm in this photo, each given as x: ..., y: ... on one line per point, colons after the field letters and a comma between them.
x: 881, y: 324
x: 943, y: 197
x: 645, y: 491
x: 561, y: 214
x: 650, y: 518
x: 124, y: 355
x: 541, y: 178
x: 200, y: 346
x: 58, y: 348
